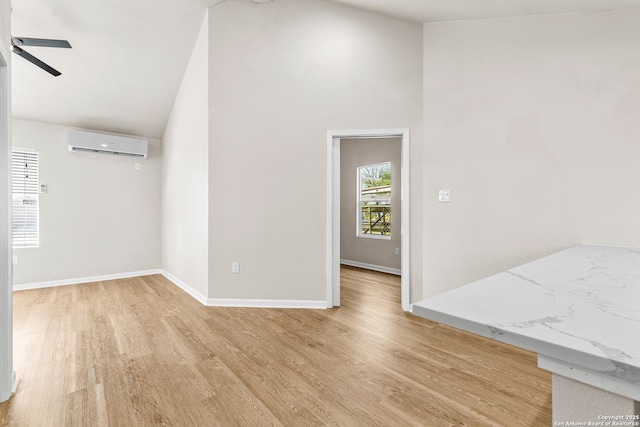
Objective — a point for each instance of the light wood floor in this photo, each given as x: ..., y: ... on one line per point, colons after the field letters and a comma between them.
x: 142, y: 352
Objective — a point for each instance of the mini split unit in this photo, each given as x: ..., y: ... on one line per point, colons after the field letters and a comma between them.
x: 92, y: 142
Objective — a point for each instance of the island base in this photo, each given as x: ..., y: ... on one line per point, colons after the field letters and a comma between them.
x: 585, y: 397
x: 575, y: 403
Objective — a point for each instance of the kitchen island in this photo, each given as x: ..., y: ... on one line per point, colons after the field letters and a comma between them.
x: 579, y: 310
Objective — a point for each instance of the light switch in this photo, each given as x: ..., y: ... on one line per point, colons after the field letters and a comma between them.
x: 444, y: 196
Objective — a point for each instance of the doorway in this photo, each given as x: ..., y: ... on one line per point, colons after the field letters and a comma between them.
x: 370, y: 210
x: 334, y: 139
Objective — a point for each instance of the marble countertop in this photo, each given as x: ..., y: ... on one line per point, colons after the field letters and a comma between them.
x: 580, y: 306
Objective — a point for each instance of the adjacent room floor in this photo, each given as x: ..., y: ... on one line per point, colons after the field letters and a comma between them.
x: 142, y: 352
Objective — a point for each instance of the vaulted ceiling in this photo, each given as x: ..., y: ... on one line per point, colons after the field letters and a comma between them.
x: 123, y: 71
x: 128, y: 56
x: 458, y: 10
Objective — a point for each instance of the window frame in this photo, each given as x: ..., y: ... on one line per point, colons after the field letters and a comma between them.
x: 359, y: 232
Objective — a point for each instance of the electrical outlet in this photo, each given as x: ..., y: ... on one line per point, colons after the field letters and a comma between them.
x: 396, y: 251
x: 15, y: 259
x: 235, y: 267
x: 137, y: 166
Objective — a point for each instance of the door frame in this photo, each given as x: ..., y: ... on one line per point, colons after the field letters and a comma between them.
x: 333, y: 209
x: 8, y: 382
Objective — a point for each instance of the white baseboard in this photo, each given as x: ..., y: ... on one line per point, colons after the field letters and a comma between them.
x: 188, y: 289
x: 66, y: 282
x: 379, y: 268
x: 210, y: 302
x: 246, y: 303
x: 266, y: 303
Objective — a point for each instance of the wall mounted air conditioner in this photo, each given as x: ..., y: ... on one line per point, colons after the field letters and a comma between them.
x: 91, y: 142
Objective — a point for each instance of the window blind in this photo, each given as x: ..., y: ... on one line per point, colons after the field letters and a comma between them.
x: 24, y: 196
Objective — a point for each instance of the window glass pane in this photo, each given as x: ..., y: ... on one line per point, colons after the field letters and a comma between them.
x: 374, y: 200
x: 375, y: 218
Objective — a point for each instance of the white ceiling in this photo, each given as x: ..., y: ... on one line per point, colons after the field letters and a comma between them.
x: 457, y: 10
x: 129, y: 56
x: 123, y: 71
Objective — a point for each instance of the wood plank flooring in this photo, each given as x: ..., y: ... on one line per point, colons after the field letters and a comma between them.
x: 142, y: 352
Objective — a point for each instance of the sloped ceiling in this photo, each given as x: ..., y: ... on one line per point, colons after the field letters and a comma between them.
x: 458, y: 10
x: 124, y: 69
x: 128, y: 56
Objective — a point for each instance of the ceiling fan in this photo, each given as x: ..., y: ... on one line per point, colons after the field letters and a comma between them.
x: 17, y: 42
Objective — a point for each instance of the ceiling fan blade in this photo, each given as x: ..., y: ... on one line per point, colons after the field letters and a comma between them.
x: 28, y: 41
x: 26, y: 55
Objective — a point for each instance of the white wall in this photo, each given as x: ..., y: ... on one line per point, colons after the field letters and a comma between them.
x: 362, y: 152
x: 7, y: 375
x: 185, y: 175
x: 5, y: 25
x: 533, y: 125
x: 281, y: 75
x: 100, y: 215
